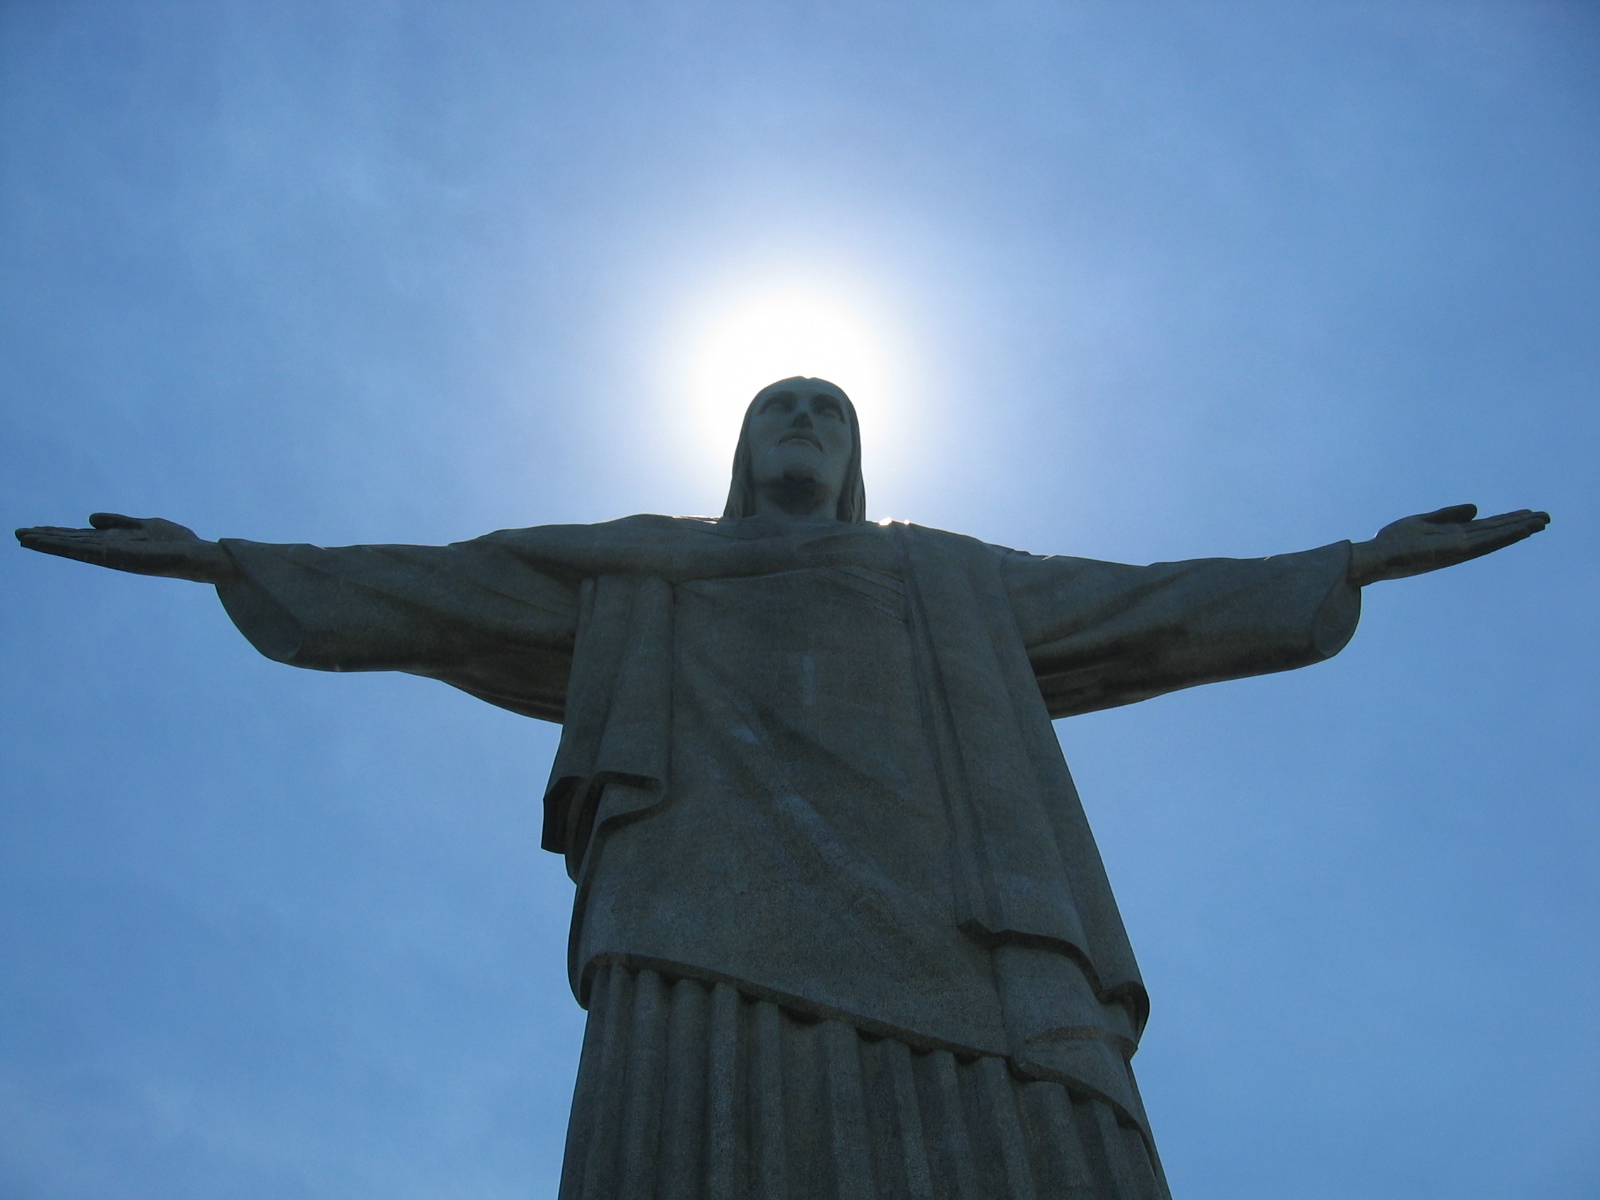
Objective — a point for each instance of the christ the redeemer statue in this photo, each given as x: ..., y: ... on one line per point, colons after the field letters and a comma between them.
x: 840, y: 925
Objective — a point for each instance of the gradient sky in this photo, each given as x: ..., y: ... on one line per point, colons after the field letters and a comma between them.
x: 1137, y: 282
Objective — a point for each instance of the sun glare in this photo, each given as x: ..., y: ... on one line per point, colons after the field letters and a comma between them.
x: 761, y: 338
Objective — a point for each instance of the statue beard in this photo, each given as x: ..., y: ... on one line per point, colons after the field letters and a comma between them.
x: 798, y: 493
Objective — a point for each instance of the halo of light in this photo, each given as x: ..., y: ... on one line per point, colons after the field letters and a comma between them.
x: 748, y: 339
x: 778, y: 335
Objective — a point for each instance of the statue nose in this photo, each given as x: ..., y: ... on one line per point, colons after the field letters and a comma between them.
x: 802, y: 420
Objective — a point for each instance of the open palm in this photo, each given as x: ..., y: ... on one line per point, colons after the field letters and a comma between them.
x: 1429, y: 541
x: 142, y: 545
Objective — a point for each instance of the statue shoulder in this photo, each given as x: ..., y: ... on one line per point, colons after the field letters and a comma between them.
x: 944, y: 541
x: 645, y: 544
x: 636, y: 528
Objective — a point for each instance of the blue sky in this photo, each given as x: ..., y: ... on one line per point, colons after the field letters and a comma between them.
x: 1134, y: 282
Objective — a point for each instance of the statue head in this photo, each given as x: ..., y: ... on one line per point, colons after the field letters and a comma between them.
x: 799, y: 454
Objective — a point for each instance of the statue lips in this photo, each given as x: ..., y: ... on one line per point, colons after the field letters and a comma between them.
x: 801, y: 435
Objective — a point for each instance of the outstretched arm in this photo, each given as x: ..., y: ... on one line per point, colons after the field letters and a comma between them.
x: 1414, y: 545
x: 471, y: 614
x: 1100, y: 634
x: 142, y: 545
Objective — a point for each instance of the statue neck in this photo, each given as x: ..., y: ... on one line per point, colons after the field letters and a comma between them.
x: 800, y: 500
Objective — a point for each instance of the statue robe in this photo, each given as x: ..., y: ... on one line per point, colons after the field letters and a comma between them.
x: 817, y: 764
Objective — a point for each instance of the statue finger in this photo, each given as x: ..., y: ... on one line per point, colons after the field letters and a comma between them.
x: 1522, y: 516
x: 1454, y: 514
x: 81, y: 544
x: 114, y: 521
x: 1523, y: 524
x: 1486, y: 541
x: 34, y: 533
x: 1501, y: 520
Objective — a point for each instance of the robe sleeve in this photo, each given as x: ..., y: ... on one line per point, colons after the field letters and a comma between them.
x: 473, y: 614
x: 1101, y: 634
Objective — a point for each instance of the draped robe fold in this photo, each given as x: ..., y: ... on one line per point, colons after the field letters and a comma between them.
x: 818, y: 764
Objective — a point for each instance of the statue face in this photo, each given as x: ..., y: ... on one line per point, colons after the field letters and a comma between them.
x: 799, y: 434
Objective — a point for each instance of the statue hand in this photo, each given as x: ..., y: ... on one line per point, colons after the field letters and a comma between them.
x: 147, y: 546
x: 1414, y: 545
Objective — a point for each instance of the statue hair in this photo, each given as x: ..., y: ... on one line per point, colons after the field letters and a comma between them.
x: 742, y: 490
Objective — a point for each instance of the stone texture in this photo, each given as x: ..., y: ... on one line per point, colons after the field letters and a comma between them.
x: 689, y: 1090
